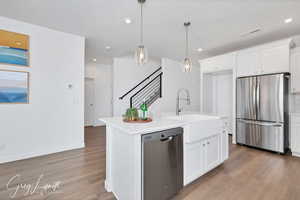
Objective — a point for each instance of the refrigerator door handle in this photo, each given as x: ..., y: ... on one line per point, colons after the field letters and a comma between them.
x: 261, y: 123
x: 254, y: 103
x: 258, y: 96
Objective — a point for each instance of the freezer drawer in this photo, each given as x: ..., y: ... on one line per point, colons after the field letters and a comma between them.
x: 269, y: 136
x: 162, y: 164
x: 246, y: 98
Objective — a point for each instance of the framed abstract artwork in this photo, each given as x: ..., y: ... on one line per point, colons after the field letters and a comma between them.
x: 14, y: 48
x: 14, y: 87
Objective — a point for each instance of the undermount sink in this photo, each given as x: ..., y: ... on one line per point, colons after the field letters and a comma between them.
x: 199, y: 126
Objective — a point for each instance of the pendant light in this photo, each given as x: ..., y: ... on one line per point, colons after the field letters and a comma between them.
x: 187, y: 63
x: 141, y: 54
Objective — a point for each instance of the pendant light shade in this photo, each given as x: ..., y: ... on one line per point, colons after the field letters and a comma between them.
x: 187, y: 62
x: 141, y: 54
x: 187, y: 65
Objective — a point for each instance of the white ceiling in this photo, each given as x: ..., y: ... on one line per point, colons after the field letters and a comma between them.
x: 217, y: 25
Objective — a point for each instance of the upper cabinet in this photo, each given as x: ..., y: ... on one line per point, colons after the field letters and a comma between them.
x: 218, y: 63
x: 295, y: 70
x: 264, y: 59
x: 276, y: 59
x: 248, y: 62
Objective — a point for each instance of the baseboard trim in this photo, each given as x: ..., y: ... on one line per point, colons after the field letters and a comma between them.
x: 99, y: 123
x: 296, y: 154
x: 13, y: 158
x: 107, y: 186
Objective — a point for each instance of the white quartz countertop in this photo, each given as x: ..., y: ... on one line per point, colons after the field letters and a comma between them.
x: 158, y: 124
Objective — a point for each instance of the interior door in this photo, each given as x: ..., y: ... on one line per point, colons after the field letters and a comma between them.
x: 89, y: 95
x: 213, y: 156
x: 270, y: 98
x: 246, y: 98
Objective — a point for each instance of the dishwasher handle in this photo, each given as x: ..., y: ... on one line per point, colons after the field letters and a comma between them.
x: 168, y: 139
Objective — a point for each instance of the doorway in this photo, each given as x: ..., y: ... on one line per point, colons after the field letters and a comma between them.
x: 218, y: 96
x: 89, y: 97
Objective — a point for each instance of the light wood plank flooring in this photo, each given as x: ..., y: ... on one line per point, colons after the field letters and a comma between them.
x: 249, y: 174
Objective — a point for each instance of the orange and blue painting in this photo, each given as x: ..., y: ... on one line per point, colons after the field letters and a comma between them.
x: 14, y: 87
x: 14, y: 48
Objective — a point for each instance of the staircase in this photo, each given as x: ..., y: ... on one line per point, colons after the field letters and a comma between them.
x: 149, y: 89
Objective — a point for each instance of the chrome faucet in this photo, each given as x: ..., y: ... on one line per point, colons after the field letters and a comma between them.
x: 187, y: 99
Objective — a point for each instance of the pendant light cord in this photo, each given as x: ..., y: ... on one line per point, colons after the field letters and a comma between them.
x: 142, y: 24
x: 187, y: 24
x: 186, y: 41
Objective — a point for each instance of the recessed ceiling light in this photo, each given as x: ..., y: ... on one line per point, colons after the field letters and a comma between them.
x: 94, y: 59
x: 127, y: 21
x: 288, y: 20
x: 199, y: 49
x: 108, y: 47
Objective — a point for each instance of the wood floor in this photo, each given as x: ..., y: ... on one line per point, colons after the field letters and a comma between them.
x: 249, y: 174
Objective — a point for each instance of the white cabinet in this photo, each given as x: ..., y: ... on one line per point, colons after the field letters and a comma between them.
x: 295, y: 136
x: 212, y: 152
x: 248, y: 62
x: 295, y: 71
x: 275, y: 59
x: 203, y: 156
x: 265, y: 59
x: 219, y: 63
x: 194, y: 161
x: 224, y: 146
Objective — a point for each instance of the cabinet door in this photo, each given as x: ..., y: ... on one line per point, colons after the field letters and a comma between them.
x: 295, y: 72
x: 212, y: 152
x: 219, y: 63
x: 193, y: 161
x: 295, y: 136
x: 224, y: 146
x: 275, y: 59
x: 208, y: 66
x: 248, y: 62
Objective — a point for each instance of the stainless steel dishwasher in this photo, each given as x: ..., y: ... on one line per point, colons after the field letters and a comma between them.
x: 162, y: 164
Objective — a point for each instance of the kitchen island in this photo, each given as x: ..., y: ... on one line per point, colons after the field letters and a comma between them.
x: 205, y: 146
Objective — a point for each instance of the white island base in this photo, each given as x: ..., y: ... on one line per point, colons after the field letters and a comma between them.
x: 205, y: 146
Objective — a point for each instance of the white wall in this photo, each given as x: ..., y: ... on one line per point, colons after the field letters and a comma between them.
x: 295, y: 103
x: 173, y: 79
x: 53, y: 120
x: 102, y: 76
x: 126, y: 74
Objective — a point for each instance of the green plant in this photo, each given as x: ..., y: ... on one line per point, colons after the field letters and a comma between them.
x: 131, y: 114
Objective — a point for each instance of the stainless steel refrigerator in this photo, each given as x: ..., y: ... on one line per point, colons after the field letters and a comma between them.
x: 262, y: 112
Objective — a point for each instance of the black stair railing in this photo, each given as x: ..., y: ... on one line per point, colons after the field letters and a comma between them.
x: 140, y: 83
x: 148, y: 93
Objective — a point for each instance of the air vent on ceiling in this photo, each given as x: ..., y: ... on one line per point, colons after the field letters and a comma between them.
x: 251, y: 32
